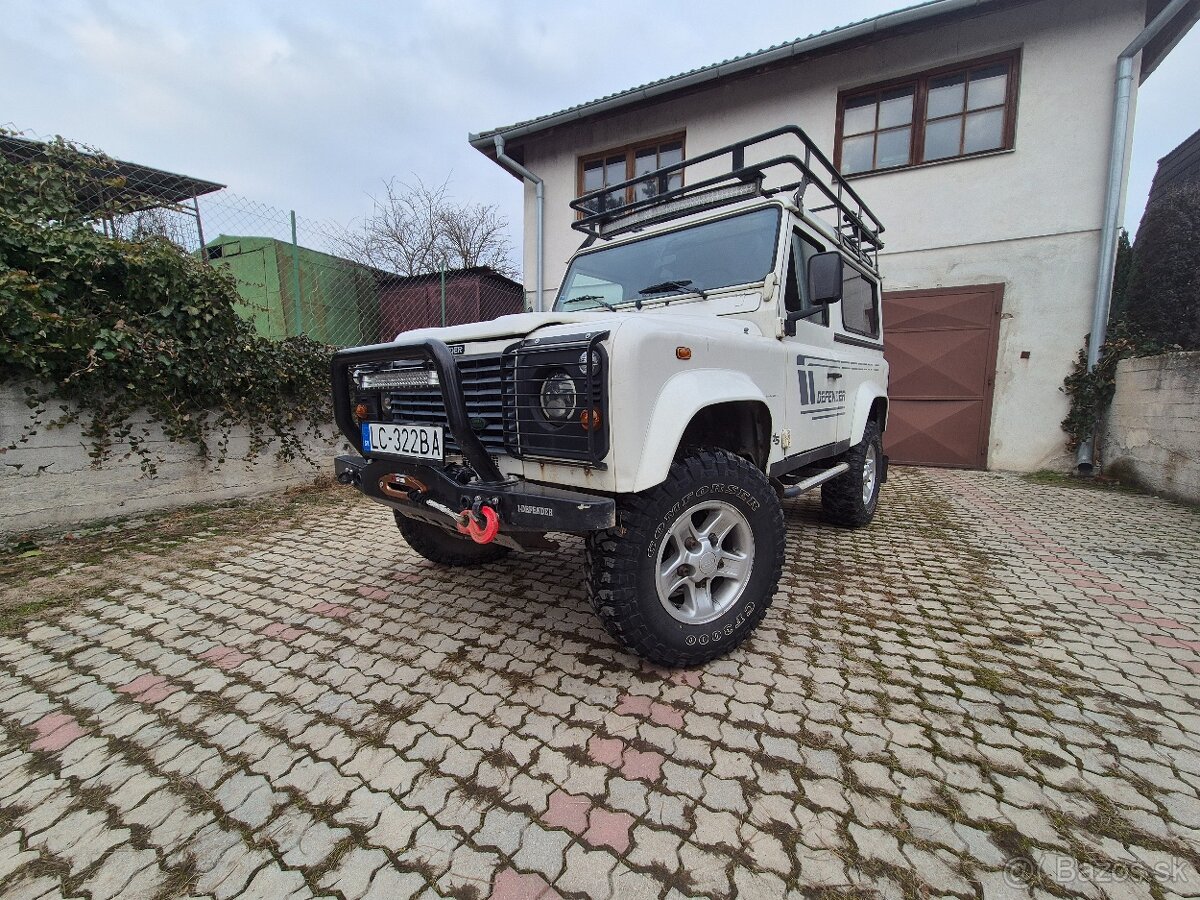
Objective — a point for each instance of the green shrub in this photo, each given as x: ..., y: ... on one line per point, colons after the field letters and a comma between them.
x: 1092, y: 392
x: 116, y: 326
x: 1163, y: 303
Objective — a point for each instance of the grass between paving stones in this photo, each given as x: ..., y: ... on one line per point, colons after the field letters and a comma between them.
x: 936, y: 525
x: 1114, y: 482
x: 46, y: 572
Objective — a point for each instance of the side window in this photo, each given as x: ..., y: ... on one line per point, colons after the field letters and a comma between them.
x: 860, y: 305
x: 795, y: 295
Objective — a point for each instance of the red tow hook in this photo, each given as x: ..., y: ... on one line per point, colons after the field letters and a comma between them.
x: 480, y: 534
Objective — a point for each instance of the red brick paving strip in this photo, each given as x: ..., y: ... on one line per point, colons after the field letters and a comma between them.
x: 284, y: 633
x: 644, y: 765
x: 609, y: 829
x: 149, y: 689
x: 55, y: 732
x: 512, y: 885
x: 658, y: 713
x: 567, y: 811
x: 1088, y: 580
x: 224, y: 657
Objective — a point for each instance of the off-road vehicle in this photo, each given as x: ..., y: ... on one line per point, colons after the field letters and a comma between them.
x: 715, y: 347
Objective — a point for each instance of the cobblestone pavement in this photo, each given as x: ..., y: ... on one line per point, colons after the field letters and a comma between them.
x: 994, y: 690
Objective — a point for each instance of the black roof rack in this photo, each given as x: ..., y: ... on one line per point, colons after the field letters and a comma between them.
x: 857, y: 229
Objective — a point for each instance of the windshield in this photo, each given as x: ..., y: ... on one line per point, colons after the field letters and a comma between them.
x: 735, y: 250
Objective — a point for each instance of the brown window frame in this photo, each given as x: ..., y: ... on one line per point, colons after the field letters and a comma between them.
x: 630, y: 152
x: 920, y: 84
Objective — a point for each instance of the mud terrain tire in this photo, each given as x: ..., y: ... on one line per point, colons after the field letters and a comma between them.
x: 846, y: 500
x: 440, y: 546
x: 713, y: 529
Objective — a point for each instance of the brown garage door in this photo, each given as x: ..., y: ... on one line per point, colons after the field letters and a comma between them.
x: 941, y: 345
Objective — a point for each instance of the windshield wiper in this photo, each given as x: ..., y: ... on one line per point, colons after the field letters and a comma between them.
x: 597, y: 298
x: 669, y: 287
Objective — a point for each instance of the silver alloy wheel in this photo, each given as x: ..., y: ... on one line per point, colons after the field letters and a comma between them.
x: 869, y: 471
x: 704, y: 562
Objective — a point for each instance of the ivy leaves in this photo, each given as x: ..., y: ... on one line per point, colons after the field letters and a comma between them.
x: 118, y: 327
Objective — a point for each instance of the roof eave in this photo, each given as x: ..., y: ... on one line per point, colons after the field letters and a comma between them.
x: 484, y: 141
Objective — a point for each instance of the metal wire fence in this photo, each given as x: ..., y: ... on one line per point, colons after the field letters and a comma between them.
x: 294, y: 275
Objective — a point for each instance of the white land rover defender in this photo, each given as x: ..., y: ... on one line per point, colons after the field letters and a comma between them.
x: 715, y: 347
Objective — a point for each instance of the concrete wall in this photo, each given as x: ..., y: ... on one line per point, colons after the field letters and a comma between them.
x: 1153, y: 426
x: 50, y: 481
x: 1028, y: 218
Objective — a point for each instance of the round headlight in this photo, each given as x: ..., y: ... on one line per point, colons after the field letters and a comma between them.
x: 583, y: 362
x: 558, y: 397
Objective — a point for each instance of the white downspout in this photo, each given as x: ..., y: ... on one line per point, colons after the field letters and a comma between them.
x: 1118, y: 162
x: 539, y: 207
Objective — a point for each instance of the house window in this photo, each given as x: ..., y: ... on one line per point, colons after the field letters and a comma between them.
x: 623, y: 163
x: 939, y: 115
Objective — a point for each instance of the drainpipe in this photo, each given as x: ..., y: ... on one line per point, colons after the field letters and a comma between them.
x: 1118, y: 161
x: 539, y: 206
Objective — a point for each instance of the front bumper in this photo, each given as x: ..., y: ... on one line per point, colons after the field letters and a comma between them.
x: 521, y: 505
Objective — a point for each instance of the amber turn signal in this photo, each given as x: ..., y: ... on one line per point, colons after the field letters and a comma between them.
x: 589, y: 419
x: 683, y: 352
x: 361, y: 413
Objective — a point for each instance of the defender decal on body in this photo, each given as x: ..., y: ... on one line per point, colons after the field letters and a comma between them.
x: 820, y: 403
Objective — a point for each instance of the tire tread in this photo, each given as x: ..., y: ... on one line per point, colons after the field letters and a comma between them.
x: 612, y: 556
x: 841, y: 497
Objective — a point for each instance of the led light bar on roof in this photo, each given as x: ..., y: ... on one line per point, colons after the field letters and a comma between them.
x: 672, y: 209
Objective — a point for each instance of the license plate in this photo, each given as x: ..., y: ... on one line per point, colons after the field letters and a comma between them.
x: 421, y: 441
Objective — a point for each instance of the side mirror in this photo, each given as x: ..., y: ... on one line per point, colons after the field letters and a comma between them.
x: 825, y: 278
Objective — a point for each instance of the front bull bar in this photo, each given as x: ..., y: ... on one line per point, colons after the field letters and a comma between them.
x: 449, y: 379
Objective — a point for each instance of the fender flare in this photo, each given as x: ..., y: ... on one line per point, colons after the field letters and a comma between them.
x: 681, y: 398
x: 864, y: 399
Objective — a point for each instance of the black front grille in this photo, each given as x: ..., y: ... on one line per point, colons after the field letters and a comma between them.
x: 482, y: 385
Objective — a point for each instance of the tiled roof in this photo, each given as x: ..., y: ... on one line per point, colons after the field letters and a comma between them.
x: 819, y: 40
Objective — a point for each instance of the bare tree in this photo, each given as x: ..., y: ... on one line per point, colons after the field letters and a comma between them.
x: 416, y: 229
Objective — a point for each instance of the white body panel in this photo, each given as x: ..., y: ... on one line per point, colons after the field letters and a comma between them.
x: 735, y: 353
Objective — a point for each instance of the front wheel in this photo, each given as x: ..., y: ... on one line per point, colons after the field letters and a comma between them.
x: 851, y: 498
x: 444, y: 547
x: 690, y: 569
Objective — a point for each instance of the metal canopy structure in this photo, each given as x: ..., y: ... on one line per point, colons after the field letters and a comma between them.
x: 122, y: 185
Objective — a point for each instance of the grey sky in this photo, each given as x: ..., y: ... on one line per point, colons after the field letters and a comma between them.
x: 310, y: 105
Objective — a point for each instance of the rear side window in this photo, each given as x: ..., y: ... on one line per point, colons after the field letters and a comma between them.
x: 860, y: 305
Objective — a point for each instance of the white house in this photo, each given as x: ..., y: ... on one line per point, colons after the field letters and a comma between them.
x: 980, y: 131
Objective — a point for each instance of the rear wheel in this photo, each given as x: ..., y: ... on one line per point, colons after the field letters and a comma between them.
x: 691, y: 568
x: 851, y: 498
x: 447, y: 548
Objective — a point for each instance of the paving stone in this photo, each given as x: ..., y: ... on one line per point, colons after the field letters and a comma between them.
x: 390, y: 884
x: 502, y: 829
x: 118, y: 874
x: 354, y: 872
x: 586, y: 871
x: 542, y: 850
x: 513, y: 885
x: 1004, y: 656
x: 271, y: 882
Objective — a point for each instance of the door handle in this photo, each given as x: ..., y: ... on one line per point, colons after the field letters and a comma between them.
x: 834, y: 375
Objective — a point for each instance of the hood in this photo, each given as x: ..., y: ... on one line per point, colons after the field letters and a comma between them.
x: 524, y: 324
x: 515, y: 326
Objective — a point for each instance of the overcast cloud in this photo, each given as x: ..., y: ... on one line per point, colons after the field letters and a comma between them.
x: 310, y: 105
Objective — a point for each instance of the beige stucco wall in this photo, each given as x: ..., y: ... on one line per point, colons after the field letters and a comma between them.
x: 1153, y: 426
x: 48, y: 480
x: 1028, y: 218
